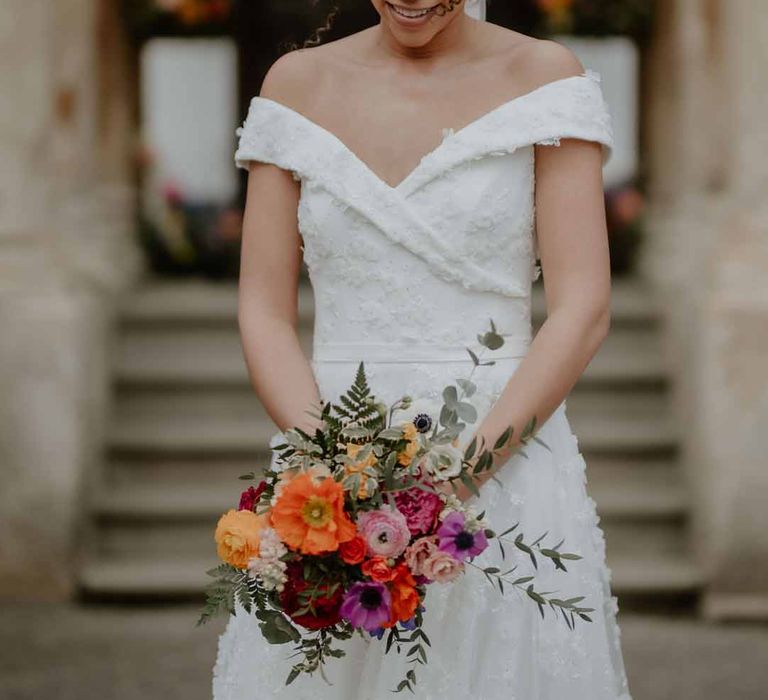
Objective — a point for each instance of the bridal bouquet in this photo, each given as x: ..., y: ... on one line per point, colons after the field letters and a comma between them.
x: 351, y: 525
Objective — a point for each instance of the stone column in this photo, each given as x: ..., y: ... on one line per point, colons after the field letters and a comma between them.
x: 708, y: 253
x: 66, y: 250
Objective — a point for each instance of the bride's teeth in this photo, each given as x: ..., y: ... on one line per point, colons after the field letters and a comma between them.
x: 411, y: 14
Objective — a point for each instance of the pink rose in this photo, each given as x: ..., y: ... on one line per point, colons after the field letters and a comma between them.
x: 418, y: 553
x: 420, y: 509
x: 442, y: 567
x: 385, y: 531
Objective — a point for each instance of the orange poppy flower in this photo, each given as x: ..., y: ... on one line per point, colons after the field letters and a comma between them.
x: 309, y: 515
x: 405, y: 597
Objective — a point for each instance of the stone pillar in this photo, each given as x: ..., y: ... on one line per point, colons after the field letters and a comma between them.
x: 66, y: 250
x: 708, y: 253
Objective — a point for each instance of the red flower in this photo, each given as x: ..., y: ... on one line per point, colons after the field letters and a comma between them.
x: 420, y: 509
x: 249, y: 498
x: 353, y: 551
x: 377, y: 569
x: 325, y: 608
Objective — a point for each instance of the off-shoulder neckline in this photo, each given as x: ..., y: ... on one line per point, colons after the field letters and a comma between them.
x: 477, y: 122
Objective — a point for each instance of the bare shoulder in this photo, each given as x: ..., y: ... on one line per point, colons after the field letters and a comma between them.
x: 544, y: 61
x: 299, y: 76
x: 289, y: 77
x: 534, y: 62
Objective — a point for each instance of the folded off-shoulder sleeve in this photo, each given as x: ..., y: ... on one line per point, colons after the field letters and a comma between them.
x: 272, y: 133
x: 571, y: 108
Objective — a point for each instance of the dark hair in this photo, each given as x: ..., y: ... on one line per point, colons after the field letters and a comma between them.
x: 317, y: 36
x: 320, y: 32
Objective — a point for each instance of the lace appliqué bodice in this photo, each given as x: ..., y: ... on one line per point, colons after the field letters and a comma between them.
x: 452, y: 244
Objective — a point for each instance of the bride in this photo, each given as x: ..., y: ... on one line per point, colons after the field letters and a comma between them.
x: 419, y: 168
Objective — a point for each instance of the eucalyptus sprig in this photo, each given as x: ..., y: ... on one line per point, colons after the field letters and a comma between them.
x: 569, y: 607
x: 417, y: 651
x: 316, y: 649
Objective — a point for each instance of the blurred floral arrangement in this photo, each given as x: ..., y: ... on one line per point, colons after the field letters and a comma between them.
x: 181, y: 236
x: 194, y: 12
x: 596, y: 17
x: 625, y: 209
x: 167, y: 17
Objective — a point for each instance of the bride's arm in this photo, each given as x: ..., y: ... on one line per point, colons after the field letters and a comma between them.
x: 270, y: 266
x: 268, y: 298
x: 573, y: 244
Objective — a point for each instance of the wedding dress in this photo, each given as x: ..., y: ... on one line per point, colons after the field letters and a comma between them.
x: 404, y: 278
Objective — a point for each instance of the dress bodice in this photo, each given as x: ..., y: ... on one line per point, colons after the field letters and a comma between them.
x: 431, y: 259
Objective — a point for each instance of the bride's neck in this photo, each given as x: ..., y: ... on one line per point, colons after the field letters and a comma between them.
x: 454, y: 39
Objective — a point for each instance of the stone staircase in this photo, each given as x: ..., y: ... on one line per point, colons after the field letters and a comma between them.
x: 185, y: 424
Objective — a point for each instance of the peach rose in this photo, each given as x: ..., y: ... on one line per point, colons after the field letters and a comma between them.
x: 418, y: 553
x: 441, y: 567
x: 237, y: 536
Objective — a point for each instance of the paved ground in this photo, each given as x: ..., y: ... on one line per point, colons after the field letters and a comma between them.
x: 66, y: 653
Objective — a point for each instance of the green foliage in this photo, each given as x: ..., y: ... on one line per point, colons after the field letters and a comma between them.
x: 356, y: 415
x: 316, y: 649
x: 230, y: 584
x: 416, y: 655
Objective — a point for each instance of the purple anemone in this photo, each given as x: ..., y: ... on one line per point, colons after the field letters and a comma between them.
x: 367, y: 605
x: 459, y: 542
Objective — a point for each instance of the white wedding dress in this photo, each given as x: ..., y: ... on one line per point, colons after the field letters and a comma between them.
x: 404, y: 278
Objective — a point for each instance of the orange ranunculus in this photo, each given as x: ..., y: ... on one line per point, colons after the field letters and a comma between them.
x: 237, y: 536
x: 411, y: 435
x: 353, y: 551
x: 309, y: 515
x: 405, y: 597
x: 378, y: 569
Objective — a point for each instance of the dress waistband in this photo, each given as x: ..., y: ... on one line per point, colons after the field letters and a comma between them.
x: 514, y: 347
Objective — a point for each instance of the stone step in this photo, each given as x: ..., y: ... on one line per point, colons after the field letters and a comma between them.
x: 633, y: 302
x: 210, y: 436
x: 165, y: 471
x: 242, y: 428
x: 622, y: 421
x: 198, y: 355
x: 131, y: 531
x: 637, y: 488
x: 628, y: 493
x: 651, y: 577
x: 160, y: 301
x: 158, y: 403
x: 192, y: 302
x: 179, y: 578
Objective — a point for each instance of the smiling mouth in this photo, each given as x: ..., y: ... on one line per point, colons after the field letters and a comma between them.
x: 408, y: 13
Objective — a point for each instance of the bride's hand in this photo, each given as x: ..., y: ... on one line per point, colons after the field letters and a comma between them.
x: 456, y: 488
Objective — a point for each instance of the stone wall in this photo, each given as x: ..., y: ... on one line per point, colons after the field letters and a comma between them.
x: 709, y: 255
x: 66, y: 250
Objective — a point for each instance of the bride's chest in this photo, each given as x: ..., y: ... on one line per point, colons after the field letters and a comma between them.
x: 479, y: 210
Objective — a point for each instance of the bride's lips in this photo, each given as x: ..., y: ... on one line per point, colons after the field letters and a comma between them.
x: 409, y: 16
